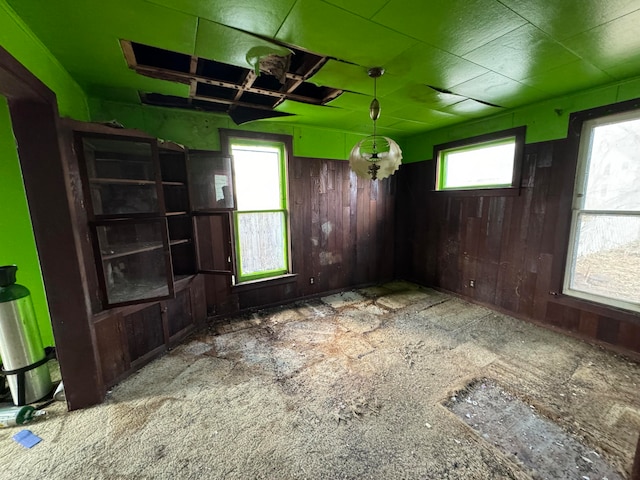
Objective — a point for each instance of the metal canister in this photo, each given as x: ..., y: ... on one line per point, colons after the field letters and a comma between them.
x: 20, y: 341
x: 12, y: 416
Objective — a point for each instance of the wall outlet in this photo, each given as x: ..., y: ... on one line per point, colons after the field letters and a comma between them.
x: 472, y: 283
x: 311, y: 280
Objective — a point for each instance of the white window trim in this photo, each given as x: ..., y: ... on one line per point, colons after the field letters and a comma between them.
x: 579, y: 190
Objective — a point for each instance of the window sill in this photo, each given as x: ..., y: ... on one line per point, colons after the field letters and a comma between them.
x: 600, y: 309
x: 265, y: 282
x: 481, y: 192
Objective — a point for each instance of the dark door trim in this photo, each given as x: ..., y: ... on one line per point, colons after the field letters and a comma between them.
x: 34, y: 117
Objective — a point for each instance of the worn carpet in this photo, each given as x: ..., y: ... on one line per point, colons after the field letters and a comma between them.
x: 351, y: 386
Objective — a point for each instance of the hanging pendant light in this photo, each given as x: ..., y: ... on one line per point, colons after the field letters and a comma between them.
x: 375, y: 157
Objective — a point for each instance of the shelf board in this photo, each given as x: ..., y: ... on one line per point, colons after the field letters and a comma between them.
x: 173, y: 184
x: 122, y: 181
x: 122, y: 157
x: 130, y: 291
x: 132, y: 249
x: 175, y: 214
x: 180, y: 241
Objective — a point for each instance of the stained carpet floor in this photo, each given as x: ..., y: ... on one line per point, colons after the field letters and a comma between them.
x: 350, y: 386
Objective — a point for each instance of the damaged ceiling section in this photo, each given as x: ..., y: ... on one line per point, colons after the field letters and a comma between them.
x: 245, y: 94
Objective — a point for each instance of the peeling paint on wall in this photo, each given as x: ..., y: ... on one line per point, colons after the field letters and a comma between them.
x: 327, y: 227
x: 330, y: 258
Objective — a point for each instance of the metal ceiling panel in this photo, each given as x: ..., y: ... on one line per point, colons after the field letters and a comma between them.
x: 568, y: 78
x: 365, y: 130
x: 614, y: 45
x: 135, y: 83
x: 433, y: 66
x: 315, y: 115
x: 456, y: 26
x: 352, y: 101
x: 472, y: 109
x: 423, y: 96
x: 566, y: 18
x: 363, y: 8
x: 84, y: 36
x: 431, y: 117
x: 354, y: 78
x: 128, y: 94
x: 298, y: 108
x: 408, y: 127
x: 228, y: 45
x: 499, y: 90
x: 624, y: 70
x: 257, y: 16
x: 516, y: 51
x: 329, y: 30
x: 522, y: 53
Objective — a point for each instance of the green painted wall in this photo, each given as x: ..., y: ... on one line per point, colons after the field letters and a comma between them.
x: 17, y: 244
x: 548, y: 120
x: 200, y: 130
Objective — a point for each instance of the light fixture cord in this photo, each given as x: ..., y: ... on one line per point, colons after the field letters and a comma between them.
x: 375, y: 96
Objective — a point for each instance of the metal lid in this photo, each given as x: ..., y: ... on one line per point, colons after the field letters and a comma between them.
x: 8, y: 275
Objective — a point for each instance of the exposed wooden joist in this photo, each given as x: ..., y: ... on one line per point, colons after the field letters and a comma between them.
x: 193, y: 78
x: 186, y: 79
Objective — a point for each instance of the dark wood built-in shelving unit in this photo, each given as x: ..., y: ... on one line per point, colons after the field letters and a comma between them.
x: 145, y: 290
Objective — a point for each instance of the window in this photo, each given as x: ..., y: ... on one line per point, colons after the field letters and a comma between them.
x: 603, y: 262
x: 261, y: 218
x: 488, y: 161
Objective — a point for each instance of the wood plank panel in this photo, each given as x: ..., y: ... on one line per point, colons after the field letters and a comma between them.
x: 144, y: 331
x: 341, y: 231
x: 114, y: 360
x: 179, y: 314
x: 514, y: 247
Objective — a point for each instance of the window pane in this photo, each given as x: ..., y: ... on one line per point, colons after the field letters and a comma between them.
x: 133, y: 260
x: 607, y: 261
x: 483, y: 166
x: 614, y: 167
x: 257, y: 175
x: 210, y: 181
x: 122, y: 176
x: 262, y: 247
x: 118, y: 159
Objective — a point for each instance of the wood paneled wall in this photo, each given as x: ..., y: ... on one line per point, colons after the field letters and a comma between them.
x: 513, y: 247
x: 341, y: 231
x: 341, y: 226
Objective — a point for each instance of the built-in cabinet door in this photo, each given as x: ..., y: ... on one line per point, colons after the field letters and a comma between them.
x: 212, y: 194
x: 124, y: 194
x: 211, y: 188
x: 120, y: 175
x: 215, y: 259
x: 134, y: 263
x: 129, y: 337
x: 214, y: 252
x: 211, y: 184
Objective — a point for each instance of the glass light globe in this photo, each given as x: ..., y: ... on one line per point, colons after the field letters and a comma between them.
x: 375, y: 157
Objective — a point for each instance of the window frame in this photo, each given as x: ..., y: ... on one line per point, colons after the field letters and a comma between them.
x: 577, y: 207
x: 282, y: 147
x: 490, y: 139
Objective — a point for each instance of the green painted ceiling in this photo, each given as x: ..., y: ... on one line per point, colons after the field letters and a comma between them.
x: 504, y: 52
